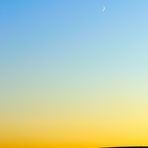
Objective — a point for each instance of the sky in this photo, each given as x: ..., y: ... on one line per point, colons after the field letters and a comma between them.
x: 73, y: 73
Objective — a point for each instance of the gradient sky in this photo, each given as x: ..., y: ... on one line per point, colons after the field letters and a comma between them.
x: 71, y: 75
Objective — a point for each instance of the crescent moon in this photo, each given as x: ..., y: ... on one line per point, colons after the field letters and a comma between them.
x: 103, y: 9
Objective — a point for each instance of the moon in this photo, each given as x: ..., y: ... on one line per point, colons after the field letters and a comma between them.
x: 103, y: 8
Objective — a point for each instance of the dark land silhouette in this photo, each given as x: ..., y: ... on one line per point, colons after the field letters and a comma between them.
x: 127, y: 147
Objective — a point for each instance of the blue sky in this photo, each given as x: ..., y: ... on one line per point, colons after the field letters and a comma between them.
x: 57, y: 40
